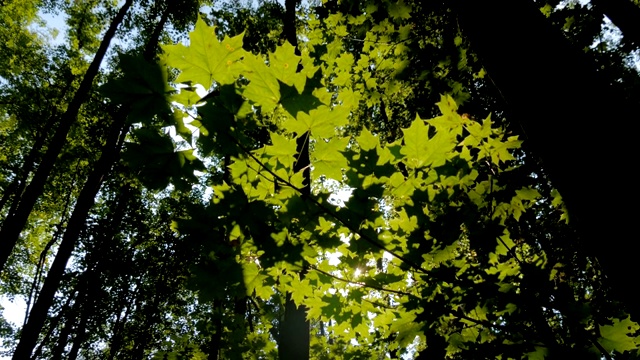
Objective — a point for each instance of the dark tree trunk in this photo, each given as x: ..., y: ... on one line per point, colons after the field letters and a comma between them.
x: 150, y: 314
x: 213, y: 347
x: 76, y: 223
x: 76, y: 323
x: 66, y: 308
x: 79, y: 339
x: 117, y: 336
x: 295, y: 330
x: 574, y: 121
x: 13, y: 225
x: 69, y: 324
x: 18, y: 185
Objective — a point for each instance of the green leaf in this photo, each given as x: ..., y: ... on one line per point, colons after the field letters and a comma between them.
x: 367, y: 141
x: 414, y: 143
x: 218, y: 116
x: 616, y: 337
x: 400, y: 10
x: 255, y: 280
x: 558, y: 203
x: 282, y: 149
x: 499, y: 150
x: 322, y: 122
x: 293, y: 101
x: 143, y: 87
x: 263, y: 88
x: 206, y: 59
x: 477, y: 133
x: 528, y: 193
x: 186, y: 96
x: 329, y: 158
x: 421, y: 151
x: 539, y: 354
x: 284, y: 63
x: 447, y: 105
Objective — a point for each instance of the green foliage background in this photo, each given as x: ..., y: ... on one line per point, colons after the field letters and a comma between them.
x: 448, y: 240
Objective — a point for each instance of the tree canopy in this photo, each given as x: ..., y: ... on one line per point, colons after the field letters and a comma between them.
x: 330, y: 179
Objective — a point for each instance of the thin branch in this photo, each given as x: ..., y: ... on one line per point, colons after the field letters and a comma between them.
x: 377, y: 303
x: 375, y: 42
x: 459, y: 314
x: 358, y: 283
x: 602, y: 350
x: 330, y: 211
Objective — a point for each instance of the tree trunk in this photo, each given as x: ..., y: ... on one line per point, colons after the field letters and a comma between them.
x: 17, y: 186
x: 54, y: 323
x: 79, y: 339
x: 295, y: 329
x: 572, y: 119
x: 294, y: 333
x: 214, y: 344
x: 76, y: 223
x: 118, y: 331
x: 77, y: 317
x: 13, y: 225
x: 294, y: 342
x: 68, y: 326
x: 143, y: 339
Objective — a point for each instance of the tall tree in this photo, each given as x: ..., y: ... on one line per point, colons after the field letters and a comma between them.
x: 552, y: 119
x: 294, y: 342
x: 13, y: 225
x: 85, y: 201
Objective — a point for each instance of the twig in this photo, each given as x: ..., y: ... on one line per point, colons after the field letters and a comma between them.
x: 361, y: 283
x: 330, y: 211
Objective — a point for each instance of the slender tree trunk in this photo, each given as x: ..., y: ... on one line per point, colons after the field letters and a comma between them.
x: 18, y: 185
x: 295, y: 329
x: 79, y: 339
x: 20, y: 182
x: 294, y: 332
x: 13, y: 225
x: 78, y: 312
x: 69, y: 324
x: 54, y: 323
x: 151, y: 319
x: 35, y: 284
x: 86, y: 308
x: 118, y: 330
x: 213, y: 347
x: 76, y: 223
x: 8, y: 192
x: 573, y: 120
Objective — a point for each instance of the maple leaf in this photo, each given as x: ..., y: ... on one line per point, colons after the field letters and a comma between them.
x: 263, y: 88
x: 616, y: 336
x: 206, y: 59
x: 367, y: 140
x: 322, y: 122
x: 284, y: 63
x: 414, y: 143
x: 329, y: 158
x: 283, y: 149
